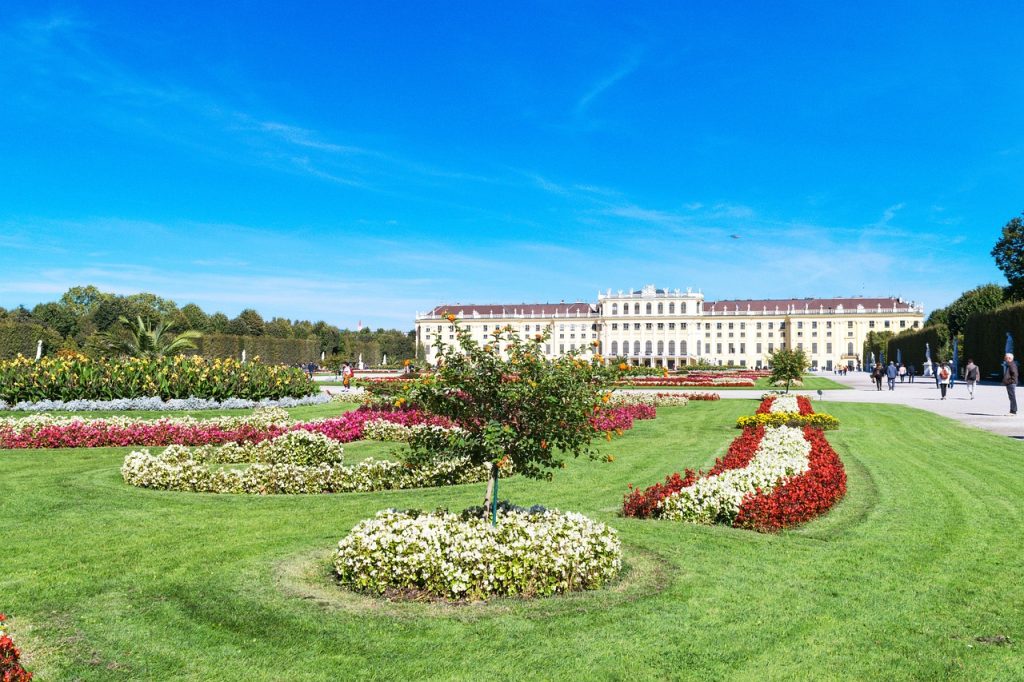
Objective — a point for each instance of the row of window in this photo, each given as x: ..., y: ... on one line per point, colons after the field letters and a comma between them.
x: 649, y: 308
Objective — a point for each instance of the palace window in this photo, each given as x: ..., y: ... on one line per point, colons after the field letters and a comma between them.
x: 771, y: 347
x: 849, y: 324
x: 719, y: 346
x: 661, y: 347
x: 730, y: 325
x: 625, y: 309
x: 849, y: 348
x: 771, y: 325
x: 682, y: 347
x: 671, y: 308
x: 814, y: 325
x: 636, y: 326
x: 871, y: 323
x: 671, y: 325
x: 828, y: 348
x: 718, y: 325
x: 814, y: 348
x: 758, y: 348
x: 636, y: 346
x: 758, y: 325
x: 682, y: 308
x: 743, y: 349
x: 903, y: 323
x: 732, y: 349
x: 615, y: 326
x: 615, y: 348
x: 661, y: 325
x: 615, y: 308
x: 887, y: 324
x: 648, y: 308
x: 671, y: 347
x: 661, y: 308
x: 561, y: 348
x: 649, y: 326
x: 636, y: 308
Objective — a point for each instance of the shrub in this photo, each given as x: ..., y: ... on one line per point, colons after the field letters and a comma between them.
x: 78, y: 377
x: 464, y: 557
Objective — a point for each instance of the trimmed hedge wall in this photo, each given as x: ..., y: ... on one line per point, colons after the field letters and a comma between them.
x: 912, y: 341
x: 271, y: 350
x: 985, y: 336
x: 21, y: 338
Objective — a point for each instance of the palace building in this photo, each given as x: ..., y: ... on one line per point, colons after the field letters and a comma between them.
x: 673, y: 328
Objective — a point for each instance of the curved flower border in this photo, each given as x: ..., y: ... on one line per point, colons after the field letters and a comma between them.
x: 771, y: 478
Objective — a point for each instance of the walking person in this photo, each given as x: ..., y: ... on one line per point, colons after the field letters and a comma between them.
x: 971, y: 376
x: 346, y: 375
x: 903, y: 372
x: 1010, y: 378
x: 876, y: 375
x: 942, y: 376
x: 912, y: 370
x: 890, y: 374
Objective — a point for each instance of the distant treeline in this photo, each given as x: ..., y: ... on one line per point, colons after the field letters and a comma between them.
x: 72, y: 321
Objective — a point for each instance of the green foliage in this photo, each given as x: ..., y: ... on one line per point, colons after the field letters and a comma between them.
x: 269, y: 349
x: 985, y: 336
x: 79, y: 377
x: 937, y: 316
x: 248, y: 323
x: 912, y: 341
x: 1009, y: 255
x: 517, y: 406
x: 143, y: 340
x: 22, y: 339
x: 788, y: 365
x: 981, y: 299
x: 877, y: 342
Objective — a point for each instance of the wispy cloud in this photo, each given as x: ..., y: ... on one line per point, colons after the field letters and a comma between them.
x: 604, y: 84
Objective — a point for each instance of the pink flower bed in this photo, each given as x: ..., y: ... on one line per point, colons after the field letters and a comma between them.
x: 621, y: 418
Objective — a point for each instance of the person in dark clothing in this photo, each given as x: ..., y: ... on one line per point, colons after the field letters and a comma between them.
x: 876, y: 375
x: 971, y: 376
x: 1010, y: 378
x: 912, y: 370
x: 890, y: 374
x: 944, y: 376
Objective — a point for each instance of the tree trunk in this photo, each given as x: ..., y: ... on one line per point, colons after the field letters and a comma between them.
x: 492, y: 484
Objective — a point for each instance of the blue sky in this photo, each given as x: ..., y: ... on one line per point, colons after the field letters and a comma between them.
x: 362, y: 161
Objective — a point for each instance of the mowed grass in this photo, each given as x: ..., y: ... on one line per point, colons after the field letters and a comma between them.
x: 924, y: 556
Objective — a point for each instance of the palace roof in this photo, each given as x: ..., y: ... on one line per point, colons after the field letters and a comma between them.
x: 811, y: 304
x: 534, y: 309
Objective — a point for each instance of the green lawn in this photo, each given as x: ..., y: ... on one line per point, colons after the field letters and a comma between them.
x: 109, y: 582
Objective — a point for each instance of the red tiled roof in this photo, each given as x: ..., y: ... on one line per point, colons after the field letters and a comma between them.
x: 798, y: 304
x: 539, y: 309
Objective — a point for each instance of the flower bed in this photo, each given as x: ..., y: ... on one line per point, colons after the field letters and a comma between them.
x: 46, y: 431
x: 528, y: 553
x: 650, y: 399
x: 157, y: 404
x: 297, y: 462
x: 787, y: 410
x: 11, y: 669
x: 685, y: 381
x: 81, y: 378
x: 618, y: 419
x: 771, y: 477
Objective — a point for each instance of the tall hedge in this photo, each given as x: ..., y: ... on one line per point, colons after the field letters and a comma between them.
x: 22, y: 337
x: 271, y: 350
x: 985, y: 336
x: 912, y: 341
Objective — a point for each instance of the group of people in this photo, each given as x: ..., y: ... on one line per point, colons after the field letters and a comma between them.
x: 945, y: 377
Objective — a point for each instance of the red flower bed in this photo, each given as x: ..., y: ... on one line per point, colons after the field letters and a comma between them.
x: 11, y: 669
x: 802, y: 497
x: 766, y: 405
x: 699, y: 396
x: 796, y: 501
x: 744, y: 382
x: 643, y: 504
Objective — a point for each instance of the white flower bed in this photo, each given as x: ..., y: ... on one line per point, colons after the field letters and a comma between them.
x: 298, y: 462
x: 158, y: 404
x: 782, y: 454
x: 381, y: 429
x: 261, y: 418
x: 619, y: 399
x: 442, y: 554
x: 785, y: 403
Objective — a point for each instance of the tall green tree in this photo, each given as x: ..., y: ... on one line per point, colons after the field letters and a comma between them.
x: 248, y: 323
x: 1009, y: 255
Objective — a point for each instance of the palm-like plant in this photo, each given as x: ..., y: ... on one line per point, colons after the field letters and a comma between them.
x: 140, y: 340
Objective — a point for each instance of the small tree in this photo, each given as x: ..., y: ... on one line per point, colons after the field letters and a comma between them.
x: 519, y: 408
x: 787, y: 365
